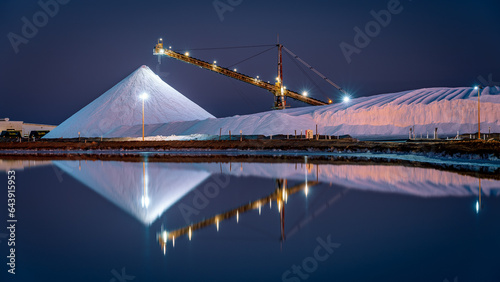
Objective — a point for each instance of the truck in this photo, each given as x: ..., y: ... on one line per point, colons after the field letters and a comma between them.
x: 10, y: 134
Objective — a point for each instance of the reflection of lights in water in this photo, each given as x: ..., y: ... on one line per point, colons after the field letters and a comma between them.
x: 281, y: 192
x: 145, y: 197
x: 145, y: 201
x: 478, y: 202
x: 165, y: 237
x: 270, y: 204
x: 306, y: 190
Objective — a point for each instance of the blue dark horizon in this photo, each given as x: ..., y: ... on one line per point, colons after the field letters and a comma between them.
x: 75, y: 51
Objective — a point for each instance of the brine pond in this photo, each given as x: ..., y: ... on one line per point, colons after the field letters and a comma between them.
x: 207, y: 219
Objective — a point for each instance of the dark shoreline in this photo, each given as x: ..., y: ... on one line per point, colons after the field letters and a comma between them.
x: 481, y: 149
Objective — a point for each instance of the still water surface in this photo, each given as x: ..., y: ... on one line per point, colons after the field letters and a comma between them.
x: 209, y: 221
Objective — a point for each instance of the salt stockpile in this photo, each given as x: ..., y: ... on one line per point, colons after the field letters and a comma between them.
x: 122, y: 106
x: 386, y: 115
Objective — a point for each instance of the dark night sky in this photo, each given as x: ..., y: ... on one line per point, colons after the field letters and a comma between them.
x: 89, y: 46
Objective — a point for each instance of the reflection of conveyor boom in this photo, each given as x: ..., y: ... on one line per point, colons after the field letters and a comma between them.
x: 279, y: 195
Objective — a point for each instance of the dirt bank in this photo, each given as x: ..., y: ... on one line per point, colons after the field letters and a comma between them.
x: 451, y: 148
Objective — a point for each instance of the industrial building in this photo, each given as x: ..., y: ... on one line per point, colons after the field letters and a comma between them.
x: 24, y: 128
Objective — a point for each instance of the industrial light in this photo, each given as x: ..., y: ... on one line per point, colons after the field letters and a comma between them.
x: 304, y: 93
x: 187, y: 54
x: 235, y: 70
x: 346, y: 99
x: 478, y: 88
x: 215, y: 62
x: 143, y: 97
x: 162, y: 51
x: 169, y: 47
x: 329, y: 101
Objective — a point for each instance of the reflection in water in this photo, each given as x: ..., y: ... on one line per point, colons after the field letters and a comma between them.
x: 144, y: 190
x: 6, y: 165
x: 145, y: 197
x: 280, y: 195
x: 147, y: 190
x: 479, y: 205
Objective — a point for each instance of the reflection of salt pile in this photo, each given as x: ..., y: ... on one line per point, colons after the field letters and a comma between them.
x: 121, y: 105
x: 122, y: 184
x: 448, y: 109
x: 422, y: 182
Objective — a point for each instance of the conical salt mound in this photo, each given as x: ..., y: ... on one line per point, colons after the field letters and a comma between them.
x: 122, y: 106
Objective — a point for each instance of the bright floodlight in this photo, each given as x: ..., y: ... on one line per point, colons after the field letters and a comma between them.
x: 346, y: 99
x: 144, y: 96
x: 186, y: 54
x: 304, y: 93
x: 475, y: 87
